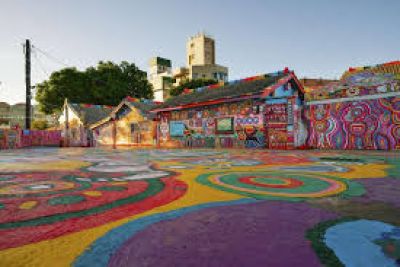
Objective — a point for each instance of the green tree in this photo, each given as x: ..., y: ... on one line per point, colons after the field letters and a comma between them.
x: 192, y: 84
x: 40, y: 125
x: 106, y: 84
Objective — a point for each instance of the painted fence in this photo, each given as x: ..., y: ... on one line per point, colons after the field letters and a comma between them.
x: 17, y: 138
x: 365, y: 124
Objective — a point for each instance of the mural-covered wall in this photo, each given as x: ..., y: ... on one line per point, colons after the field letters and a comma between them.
x: 274, y: 123
x: 77, y: 134
x: 365, y: 124
x: 131, y: 128
x: 230, y: 125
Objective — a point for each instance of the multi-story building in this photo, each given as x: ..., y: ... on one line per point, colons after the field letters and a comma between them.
x: 180, y: 75
x: 200, y: 50
x: 160, y: 76
x: 200, y: 59
x: 13, y: 115
x: 200, y: 64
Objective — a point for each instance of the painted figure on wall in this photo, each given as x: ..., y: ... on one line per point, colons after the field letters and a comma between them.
x: 368, y: 124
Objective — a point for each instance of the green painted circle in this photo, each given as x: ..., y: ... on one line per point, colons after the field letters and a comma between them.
x: 66, y: 200
x: 111, y: 188
x: 313, y: 186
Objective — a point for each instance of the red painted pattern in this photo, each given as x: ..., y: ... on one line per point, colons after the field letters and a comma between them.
x: 289, y: 182
x: 14, y: 237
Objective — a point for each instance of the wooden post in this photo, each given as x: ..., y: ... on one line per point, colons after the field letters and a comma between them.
x: 66, y: 137
x: 114, y: 133
x: 28, y: 112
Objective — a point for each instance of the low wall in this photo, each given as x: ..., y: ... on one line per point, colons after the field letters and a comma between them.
x: 17, y: 138
x: 372, y: 124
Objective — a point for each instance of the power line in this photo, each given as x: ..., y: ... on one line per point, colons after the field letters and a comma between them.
x: 40, y: 64
x: 49, y: 56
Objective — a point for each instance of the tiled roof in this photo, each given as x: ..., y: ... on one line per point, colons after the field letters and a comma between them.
x: 142, y: 107
x: 231, y: 90
x: 91, y: 113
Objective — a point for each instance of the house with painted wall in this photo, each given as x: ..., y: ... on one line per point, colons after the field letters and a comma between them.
x: 361, y: 111
x: 263, y: 111
x: 129, y: 124
x: 75, y: 120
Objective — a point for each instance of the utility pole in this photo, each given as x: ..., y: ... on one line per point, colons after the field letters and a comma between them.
x: 28, y: 84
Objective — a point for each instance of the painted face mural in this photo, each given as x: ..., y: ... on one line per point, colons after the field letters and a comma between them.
x: 104, y: 207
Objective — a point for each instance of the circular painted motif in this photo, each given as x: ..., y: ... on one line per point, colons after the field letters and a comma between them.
x: 274, y: 185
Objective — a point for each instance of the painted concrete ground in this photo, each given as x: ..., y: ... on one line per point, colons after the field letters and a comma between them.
x: 93, y: 207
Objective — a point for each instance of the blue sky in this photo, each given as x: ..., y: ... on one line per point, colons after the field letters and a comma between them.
x: 316, y: 38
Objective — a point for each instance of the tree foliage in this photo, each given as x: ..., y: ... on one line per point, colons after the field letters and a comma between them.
x: 40, y: 125
x: 191, y: 85
x: 106, y: 84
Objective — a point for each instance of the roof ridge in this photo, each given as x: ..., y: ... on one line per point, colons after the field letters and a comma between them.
x: 247, y: 79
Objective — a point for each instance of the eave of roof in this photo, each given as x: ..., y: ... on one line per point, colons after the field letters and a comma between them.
x: 131, y: 105
x: 88, y: 115
x: 258, y: 94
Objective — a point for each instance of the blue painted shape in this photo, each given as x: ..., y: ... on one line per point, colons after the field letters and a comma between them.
x: 298, y: 101
x: 176, y: 128
x: 282, y: 91
x: 101, y: 251
x: 276, y: 101
x: 353, y: 243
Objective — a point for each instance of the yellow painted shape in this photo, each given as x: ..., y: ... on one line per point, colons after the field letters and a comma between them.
x: 92, y: 193
x: 27, y: 205
x: 63, y: 251
x: 119, y: 183
x: 363, y: 171
x: 63, y: 165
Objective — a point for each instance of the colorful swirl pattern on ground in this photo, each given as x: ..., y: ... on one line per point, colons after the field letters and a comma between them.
x: 131, y: 207
x: 275, y: 185
x: 51, y: 208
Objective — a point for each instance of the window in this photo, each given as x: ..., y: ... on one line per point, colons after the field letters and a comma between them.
x: 176, y: 128
x: 224, y: 125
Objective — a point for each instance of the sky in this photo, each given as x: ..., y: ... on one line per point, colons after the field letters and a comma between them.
x: 315, y: 38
